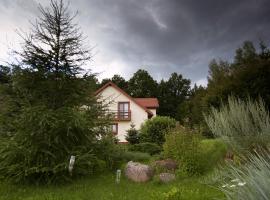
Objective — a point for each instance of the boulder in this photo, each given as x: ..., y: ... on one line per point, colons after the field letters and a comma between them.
x: 138, y: 172
x: 166, y: 177
x: 167, y: 164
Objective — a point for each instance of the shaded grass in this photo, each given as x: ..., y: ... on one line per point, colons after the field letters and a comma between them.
x: 103, y: 187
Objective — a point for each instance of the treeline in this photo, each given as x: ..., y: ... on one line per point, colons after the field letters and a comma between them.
x: 248, y: 76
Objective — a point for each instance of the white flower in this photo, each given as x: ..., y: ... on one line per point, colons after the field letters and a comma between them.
x: 235, y: 180
x: 226, y: 185
x: 233, y: 186
x: 242, y: 183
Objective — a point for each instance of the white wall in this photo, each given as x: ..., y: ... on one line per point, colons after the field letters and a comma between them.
x: 138, y: 114
x: 154, y: 111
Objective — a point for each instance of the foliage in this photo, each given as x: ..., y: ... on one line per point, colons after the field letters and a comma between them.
x: 213, y: 152
x: 117, y: 80
x: 184, y: 146
x: 235, y: 78
x: 250, y: 181
x: 146, y: 147
x: 115, y: 155
x: 132, y: 135
x: 40, y: 149
x: 154, y: 130
x: 245, y: 126
x: 135, y: 156
x: 52, y: 111
x: 194, y: 155
x: 141, y: 84
x: 109, y: 152
x: 5, y: 74
x: 171, y: 94
x: 245, y: 77
x: 8, y: 106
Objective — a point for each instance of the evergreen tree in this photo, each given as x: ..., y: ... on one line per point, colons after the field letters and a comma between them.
x: 59, y: 115
x: 132, y: 135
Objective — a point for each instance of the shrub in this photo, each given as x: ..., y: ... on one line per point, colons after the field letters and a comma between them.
x: 109, y: 152
x: 154, y: 130
x: 146, y: 147
x: 40, y: 149
x: 135, y: 156
x: 132, y: 135
x: 194, y: 155
x: 212, y: 152
x: 245, y: 126
x: 183, y: 146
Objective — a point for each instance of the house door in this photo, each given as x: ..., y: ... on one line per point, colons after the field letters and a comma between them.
x: 123, y: 109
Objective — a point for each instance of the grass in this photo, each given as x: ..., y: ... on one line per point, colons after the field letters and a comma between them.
x: 104, y: 187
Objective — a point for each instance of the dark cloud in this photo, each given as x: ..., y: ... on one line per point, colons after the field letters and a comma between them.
x: 164, y: 36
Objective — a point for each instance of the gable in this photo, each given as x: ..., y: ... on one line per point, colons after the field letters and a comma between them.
x: 112, y: 93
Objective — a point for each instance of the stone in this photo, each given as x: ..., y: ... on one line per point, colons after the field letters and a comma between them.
x: 167, y: 164
x: 166, y: 177
x: 138, y: 172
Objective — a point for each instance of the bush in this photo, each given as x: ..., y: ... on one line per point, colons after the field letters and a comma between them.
x: 40, y: 148
x: 194, y: 155
x: 132, y: 135
x: 154, y: 130
x: 245, y: 126
x: 146, y: 147
x: 135, y: 156
x: 109, y: 152
x: 213, y: 151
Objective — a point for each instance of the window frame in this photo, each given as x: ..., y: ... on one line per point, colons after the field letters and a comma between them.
x: 123, y: 115
x: 116, y: 125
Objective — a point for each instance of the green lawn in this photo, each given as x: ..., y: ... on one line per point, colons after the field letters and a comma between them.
x: 104, y: 187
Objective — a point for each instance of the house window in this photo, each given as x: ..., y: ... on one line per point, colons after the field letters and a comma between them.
x: 114, y: 128
x: 123, y: 110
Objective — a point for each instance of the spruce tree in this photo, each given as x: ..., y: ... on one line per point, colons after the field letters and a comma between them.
x: 59, y: 116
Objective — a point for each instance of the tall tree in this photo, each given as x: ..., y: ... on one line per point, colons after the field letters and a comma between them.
x: 58, y: 116
x: 246, y: 77
x: 116, y: 79
x: 53, y: 54
x: 141, y: 84
x: 172, y: 93
x: 120, y: 81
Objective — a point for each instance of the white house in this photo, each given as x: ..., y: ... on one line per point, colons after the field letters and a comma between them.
x: 126, y: 109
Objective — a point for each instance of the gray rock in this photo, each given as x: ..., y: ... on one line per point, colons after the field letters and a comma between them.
x: 138, y: 172
x: 166, y: 177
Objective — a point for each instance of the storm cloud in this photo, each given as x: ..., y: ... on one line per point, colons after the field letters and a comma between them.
x: 161, y: 36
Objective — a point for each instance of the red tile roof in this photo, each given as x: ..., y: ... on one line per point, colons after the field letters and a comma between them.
x: 147, y: 102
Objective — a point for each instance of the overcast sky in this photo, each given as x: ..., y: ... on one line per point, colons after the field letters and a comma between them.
x: 161, y: 36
